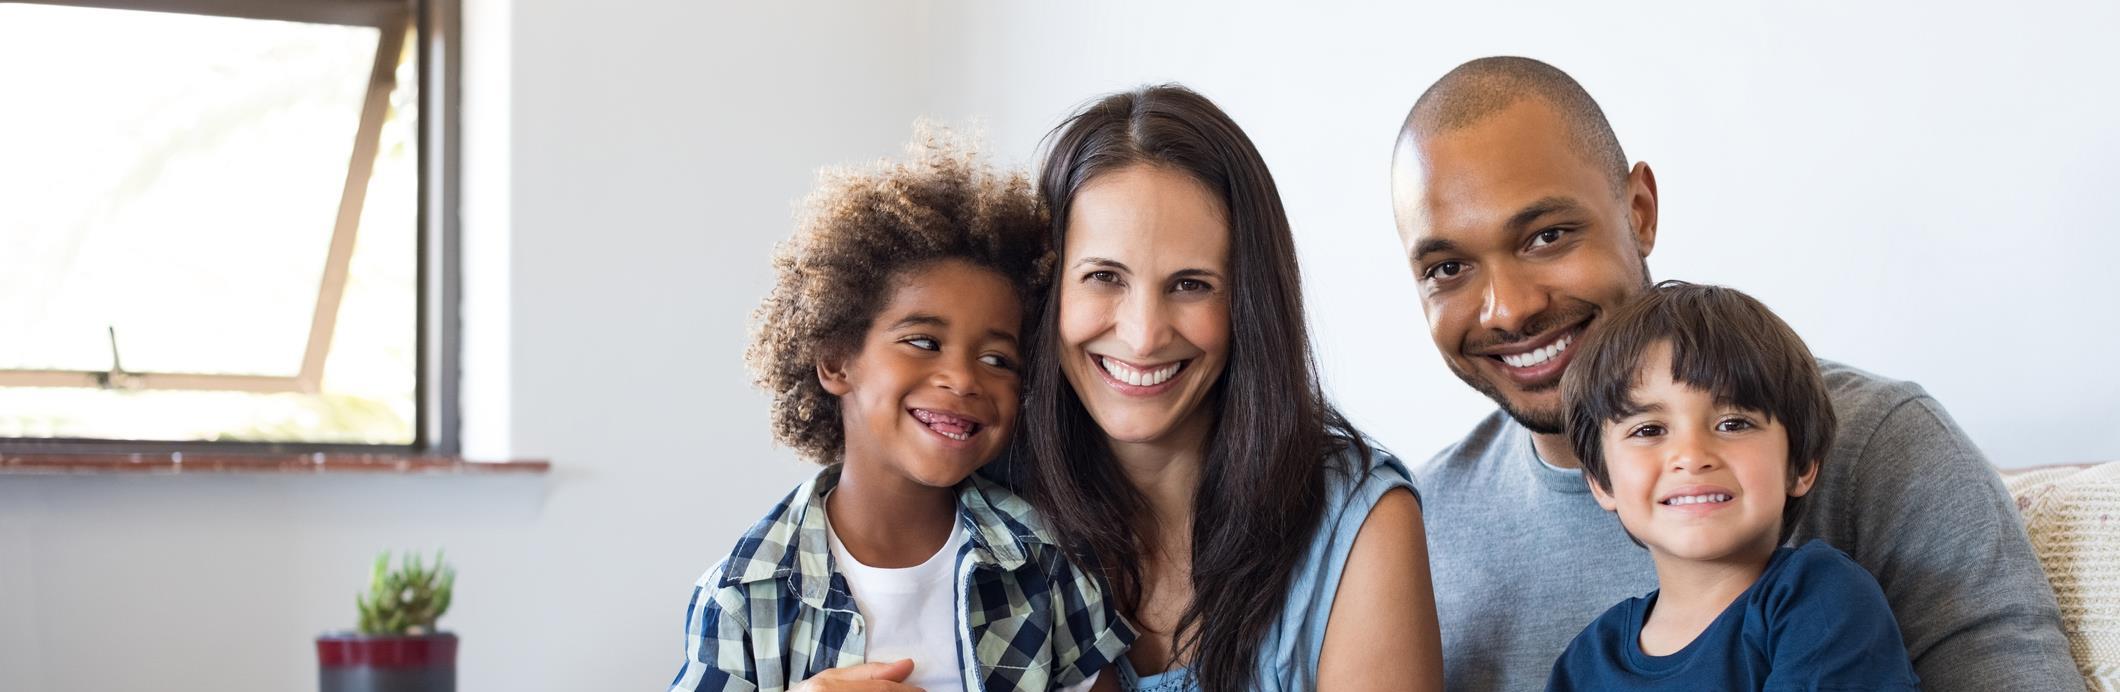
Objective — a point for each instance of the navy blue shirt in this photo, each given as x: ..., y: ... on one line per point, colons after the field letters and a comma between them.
x: 1813, y: 621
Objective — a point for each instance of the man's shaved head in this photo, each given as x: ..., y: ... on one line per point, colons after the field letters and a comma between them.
x: 1485, y: 86
x: 1523, y: 224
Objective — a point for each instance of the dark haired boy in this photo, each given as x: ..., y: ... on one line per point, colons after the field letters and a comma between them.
x: 1701, y: 420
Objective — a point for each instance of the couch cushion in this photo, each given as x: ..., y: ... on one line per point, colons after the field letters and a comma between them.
x: 2072, y: 514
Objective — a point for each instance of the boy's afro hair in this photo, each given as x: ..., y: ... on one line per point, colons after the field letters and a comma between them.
x: 858, y: 232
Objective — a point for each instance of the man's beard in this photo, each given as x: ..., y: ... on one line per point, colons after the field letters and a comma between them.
x: 1552, y: 421
x: 1547, y: 421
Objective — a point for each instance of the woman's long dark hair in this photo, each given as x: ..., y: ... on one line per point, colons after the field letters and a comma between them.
x: 1262, y: 484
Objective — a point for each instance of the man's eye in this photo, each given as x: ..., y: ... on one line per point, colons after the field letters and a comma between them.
x: 1548, y: 237
x: 1446, y: 269
x: 923, y: 343
x: 1647, y: 431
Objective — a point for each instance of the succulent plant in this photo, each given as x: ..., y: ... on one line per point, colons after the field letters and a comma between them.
x: 406, y: 601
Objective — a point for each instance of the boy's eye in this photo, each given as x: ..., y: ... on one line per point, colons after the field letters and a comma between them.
x: 1734, y: 425
x: 1649, y: 430
x: 998, y: 360
x: 923, y: 343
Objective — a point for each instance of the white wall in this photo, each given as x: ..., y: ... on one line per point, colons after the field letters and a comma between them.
x: 657, y: 150
x: 1921, y: 190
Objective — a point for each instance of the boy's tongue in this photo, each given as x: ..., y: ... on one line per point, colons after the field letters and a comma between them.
x: 944, y: 422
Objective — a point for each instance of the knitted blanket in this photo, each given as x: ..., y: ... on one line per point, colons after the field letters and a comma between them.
x: 2072, y: 514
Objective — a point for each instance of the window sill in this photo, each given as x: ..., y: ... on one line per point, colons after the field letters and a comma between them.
x: 175, y: 463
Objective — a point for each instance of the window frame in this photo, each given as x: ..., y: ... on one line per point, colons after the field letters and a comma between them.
x: 435, y: 27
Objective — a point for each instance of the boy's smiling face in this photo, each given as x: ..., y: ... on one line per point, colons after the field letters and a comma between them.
x: 1694, y: 478
x: 933, y: 392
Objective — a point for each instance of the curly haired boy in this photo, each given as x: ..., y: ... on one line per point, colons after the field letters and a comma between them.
x: 891, y: 345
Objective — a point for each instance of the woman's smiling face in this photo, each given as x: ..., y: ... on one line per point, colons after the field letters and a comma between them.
x: 1144, y: 301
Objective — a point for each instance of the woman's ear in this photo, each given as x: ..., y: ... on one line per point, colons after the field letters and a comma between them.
x: 1802, y: 484
x: 832, y: 375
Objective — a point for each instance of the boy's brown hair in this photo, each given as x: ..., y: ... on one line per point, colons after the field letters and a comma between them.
x: 1723, y: 342
x: 861, y: 230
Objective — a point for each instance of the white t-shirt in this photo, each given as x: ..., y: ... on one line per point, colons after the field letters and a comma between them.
x: 911, y: 612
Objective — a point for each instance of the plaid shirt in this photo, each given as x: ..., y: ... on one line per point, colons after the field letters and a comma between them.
x: 776, y: 611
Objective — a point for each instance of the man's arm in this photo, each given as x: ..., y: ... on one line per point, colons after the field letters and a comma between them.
x: 1933, y: 522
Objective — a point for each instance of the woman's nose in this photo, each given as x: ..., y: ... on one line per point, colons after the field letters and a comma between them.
x: 1143, y: 326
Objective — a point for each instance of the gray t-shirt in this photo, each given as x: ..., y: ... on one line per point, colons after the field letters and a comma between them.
x: 1523, y: 557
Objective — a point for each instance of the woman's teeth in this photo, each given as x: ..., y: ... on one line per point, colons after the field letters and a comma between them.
x: 1138, y: 377
x: 1540, y: 356
x: 1697, y: 499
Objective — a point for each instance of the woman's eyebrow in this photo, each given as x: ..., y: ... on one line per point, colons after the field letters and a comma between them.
x: 1102, y: 262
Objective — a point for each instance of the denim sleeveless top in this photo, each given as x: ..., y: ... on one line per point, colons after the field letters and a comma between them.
x: 1288, y: 655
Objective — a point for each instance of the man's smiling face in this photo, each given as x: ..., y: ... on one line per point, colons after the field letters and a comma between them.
x: 1518, y: 243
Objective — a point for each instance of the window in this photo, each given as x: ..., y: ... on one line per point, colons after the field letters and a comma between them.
x: 224, y: 222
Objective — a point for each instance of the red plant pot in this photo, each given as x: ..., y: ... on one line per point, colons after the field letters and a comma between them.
x: 356, y: 663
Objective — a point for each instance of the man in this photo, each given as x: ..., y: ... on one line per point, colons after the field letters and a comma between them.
x: 1523, y: 224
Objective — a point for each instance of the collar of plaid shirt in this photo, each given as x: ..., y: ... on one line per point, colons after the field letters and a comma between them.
x: 791, y: 545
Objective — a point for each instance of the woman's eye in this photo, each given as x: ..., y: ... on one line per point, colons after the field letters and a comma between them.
x: 923, y: 343
x: 1191, y: 285
x: 1647, y: 431
x: 998, y: 360
x: 1548, y: 237
x: 1446, y: 269
x: 1102, y: 276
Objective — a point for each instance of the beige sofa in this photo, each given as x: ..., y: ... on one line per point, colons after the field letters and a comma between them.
x: 2072, y: 514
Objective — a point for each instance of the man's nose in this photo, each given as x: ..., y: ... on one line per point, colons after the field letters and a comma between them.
x: 1512, y: 299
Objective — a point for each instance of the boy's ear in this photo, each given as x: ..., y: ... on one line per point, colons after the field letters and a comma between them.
x: 1604, y: 499
x: 832, y: 374
x: 1802, y: 484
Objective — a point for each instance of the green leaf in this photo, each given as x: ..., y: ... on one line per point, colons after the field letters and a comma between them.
x: 408, y: 599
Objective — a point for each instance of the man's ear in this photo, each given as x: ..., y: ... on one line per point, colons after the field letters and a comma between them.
x: 1802, y: 484
x: 1641, y: 207
x: 832, y: 374
x: 1604, y: 499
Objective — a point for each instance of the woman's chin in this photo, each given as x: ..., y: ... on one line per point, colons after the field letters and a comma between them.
x: 1137, y: 432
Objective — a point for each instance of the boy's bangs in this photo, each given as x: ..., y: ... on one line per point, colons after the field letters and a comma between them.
x: 1727, y: 359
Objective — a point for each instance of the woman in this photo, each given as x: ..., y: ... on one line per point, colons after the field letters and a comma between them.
x: 1177, y: 434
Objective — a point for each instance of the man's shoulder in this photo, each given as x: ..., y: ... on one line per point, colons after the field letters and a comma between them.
x: 1861, y: 395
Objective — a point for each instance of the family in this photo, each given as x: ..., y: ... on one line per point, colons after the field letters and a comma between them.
x: 1073, y: 438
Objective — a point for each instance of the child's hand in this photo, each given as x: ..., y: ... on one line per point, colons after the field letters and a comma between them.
x: 867, y: 677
